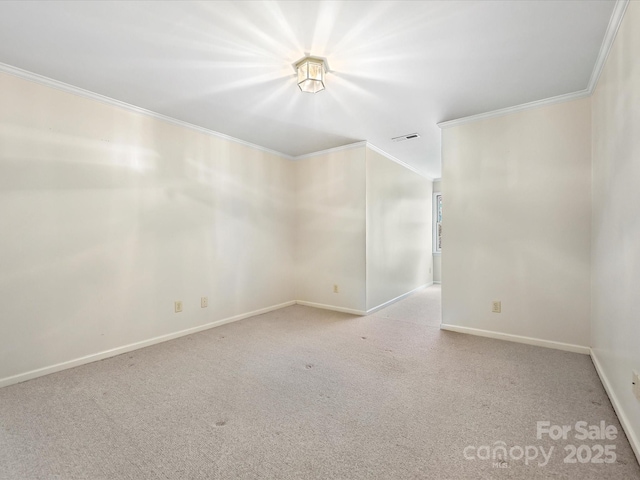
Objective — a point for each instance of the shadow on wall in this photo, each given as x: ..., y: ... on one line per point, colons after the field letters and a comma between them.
x: 105, y: 227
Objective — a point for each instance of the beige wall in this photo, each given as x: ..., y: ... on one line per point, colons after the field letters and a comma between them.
x: 108, y: 216
x: 518, y: 223
x: 399, y: 255
x: 615, y: 328
x: 331, y: 229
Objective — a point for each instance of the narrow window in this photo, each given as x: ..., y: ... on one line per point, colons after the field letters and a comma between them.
x: 437, y: 222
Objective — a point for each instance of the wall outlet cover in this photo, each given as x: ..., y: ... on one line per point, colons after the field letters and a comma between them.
x: 178, y: 306
x: 204, y: 302
x: 497, y: 306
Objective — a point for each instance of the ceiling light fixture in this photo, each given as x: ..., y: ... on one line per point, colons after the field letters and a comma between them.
x: 311, y: 72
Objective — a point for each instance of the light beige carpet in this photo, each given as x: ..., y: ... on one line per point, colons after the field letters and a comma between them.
x: 302, y: 393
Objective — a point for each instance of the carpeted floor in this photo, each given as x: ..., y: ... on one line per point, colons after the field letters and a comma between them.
x: 302, y: 393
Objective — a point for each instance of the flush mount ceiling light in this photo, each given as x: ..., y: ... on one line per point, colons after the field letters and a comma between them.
x: 311, y: 72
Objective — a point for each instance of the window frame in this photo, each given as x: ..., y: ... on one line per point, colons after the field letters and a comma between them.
x: 437, y: 250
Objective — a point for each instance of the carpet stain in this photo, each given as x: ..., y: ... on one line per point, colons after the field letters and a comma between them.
x: 308, y: 366
x: 221, y: 423
x: 364, y: 338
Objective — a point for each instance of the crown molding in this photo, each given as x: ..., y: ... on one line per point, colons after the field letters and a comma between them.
x: 349, y: 146
x: 81, y: 92
x: 609, y: 37
x: 607, y: 42
x: 396, y: 160
x: 612, y: 29
x: 516, y: 108
x: 362, y: 144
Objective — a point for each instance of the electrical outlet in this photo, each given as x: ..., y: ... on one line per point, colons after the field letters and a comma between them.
x: 636, y: 384
x: 178, y: 306
x: 204, y: 302
x: 336, y: 289
x: 497, y: 306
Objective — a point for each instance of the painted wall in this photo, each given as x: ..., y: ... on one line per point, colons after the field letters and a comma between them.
x: 518, y: 220
x: 108, y: 216
x: 331, y: 229
x: 437, y: 257
x: 615, y: 329
x: 399, y: 257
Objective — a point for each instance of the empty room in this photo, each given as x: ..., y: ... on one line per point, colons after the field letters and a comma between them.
x: 319, y: 239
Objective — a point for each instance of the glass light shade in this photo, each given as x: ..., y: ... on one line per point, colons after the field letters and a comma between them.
x: 311, y: 75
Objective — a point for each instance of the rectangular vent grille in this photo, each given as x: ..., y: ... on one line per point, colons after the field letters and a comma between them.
x: 402, y: 138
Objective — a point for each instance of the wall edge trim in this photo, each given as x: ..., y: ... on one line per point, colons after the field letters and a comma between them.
x: 516, y: 108
x: 366, y: 144
x: 624, y: 421
x: 612, y: 29
x: 607, y: 42
x: 398, y: 298
x: 81, y: 92
x: 325, y: 306
x: 348, y: 146
x: 94, y: 357
x: 396, y: 160
x: 605, y: 47
x: 538, y: 342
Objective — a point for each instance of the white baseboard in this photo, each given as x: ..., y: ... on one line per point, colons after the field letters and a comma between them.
x: 624, y: 421
x: 400, y: 297
x: 22, y: 377
x: 331, y: 307
x: 568, y: 347
x: 361, y: 312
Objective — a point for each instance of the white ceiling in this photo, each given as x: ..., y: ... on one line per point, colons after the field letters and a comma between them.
x: 398, y: 67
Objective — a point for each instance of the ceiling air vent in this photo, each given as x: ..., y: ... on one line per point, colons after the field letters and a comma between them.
x: 402, y: 138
